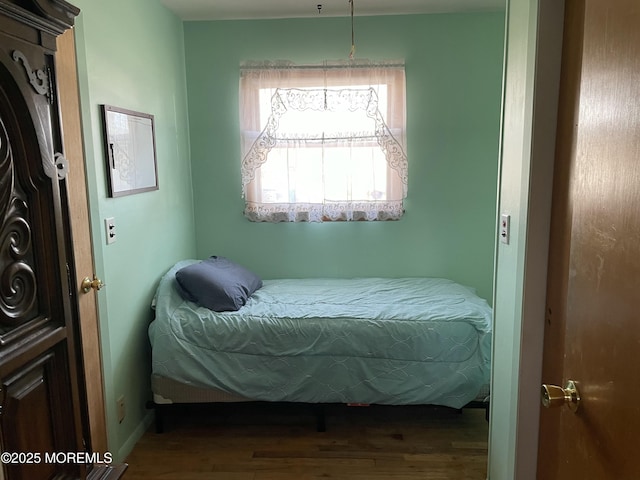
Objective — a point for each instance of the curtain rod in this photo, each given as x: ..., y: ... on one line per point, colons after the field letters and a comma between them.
x: 324, y: 139
x: 321, y: 67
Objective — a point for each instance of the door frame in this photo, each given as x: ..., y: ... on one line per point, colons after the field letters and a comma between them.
x: 533, y: 41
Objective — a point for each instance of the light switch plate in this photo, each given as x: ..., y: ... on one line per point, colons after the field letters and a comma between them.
x: 110, y: 230
x: 505, y: 227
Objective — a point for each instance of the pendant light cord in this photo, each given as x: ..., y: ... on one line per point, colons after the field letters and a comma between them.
x: 353, y: 35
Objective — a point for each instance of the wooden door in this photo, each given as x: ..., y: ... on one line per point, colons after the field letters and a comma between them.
x: 593, y: 301
x: 82, y: 248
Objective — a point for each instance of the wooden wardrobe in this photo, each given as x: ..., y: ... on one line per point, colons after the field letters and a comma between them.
x: 44, y: 429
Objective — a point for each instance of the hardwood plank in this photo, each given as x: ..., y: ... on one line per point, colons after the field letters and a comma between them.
x: 375, y: 443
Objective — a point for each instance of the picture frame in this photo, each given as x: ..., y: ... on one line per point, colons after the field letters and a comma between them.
x: 130, y: 151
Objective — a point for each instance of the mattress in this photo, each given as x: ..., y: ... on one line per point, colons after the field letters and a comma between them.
x: 362, y: 340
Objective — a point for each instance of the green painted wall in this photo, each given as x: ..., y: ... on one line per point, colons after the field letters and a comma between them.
x: 454, y: 74
x: 131, y: 55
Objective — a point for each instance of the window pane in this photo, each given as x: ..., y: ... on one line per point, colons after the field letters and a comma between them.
x: 309, y: 174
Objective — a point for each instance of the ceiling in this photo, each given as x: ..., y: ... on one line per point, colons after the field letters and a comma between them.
x: 255, y: 9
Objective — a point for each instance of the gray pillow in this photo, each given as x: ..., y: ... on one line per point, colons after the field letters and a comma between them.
x: 217, y: 283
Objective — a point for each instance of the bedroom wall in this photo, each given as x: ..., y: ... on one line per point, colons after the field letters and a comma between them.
x: 131, y: 55
x: 454, y: 74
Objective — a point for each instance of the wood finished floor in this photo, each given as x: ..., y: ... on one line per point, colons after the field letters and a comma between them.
x: 281, y: 443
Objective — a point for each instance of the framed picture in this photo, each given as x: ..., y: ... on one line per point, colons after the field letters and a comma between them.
x: 130, y: 151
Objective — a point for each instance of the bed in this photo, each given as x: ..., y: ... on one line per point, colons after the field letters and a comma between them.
x: 391, y: 341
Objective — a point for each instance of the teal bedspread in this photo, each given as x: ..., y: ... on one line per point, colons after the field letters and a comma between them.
x: 363, y: 340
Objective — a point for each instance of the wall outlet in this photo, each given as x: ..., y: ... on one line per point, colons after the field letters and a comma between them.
x: 120, y: 408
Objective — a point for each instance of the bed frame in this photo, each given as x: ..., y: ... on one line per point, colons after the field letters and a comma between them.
x: 169, y: 394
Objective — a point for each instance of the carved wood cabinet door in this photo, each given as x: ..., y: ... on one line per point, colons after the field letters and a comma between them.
x: 41, y: 418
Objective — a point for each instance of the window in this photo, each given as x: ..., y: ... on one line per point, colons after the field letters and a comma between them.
x: 323, y: 142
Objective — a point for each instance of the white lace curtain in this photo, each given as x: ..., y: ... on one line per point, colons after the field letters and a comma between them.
x: 323, y: 142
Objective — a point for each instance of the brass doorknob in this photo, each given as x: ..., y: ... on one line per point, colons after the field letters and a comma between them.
x: 554, y: 396
x: 88, y: 284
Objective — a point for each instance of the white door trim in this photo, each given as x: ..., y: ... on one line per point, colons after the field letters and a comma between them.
x: 530, y: 98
